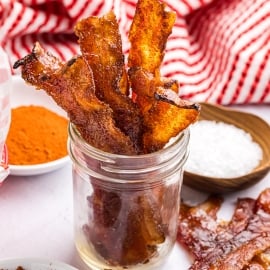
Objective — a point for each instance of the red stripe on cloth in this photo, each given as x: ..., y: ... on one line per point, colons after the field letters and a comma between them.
x: 24, y: 44
x: 71, y: 5
x: 204, y: 54
x: 204, y: 34
x: 258, y: 77
x: 194, y: 68
x: 213, y: 38
x: 266, y: 93
x: 204, y: 14
x: 176, y: 48
x: 214, y: 81
x: 190, y: 72
x: 33, y: 20
x: 71, y: 22
x: 13, y: 49
x: 13, y: 27
x: 131, y: 3
x: 178, y: 11
x: 244, y: 75
x: 1, y: 12
x: 203, y: 3
x: 49, y: 41
x: 130, y: 16
x: 236, y: 58
x: 223, y: 63
x: 233, y: 69
x: 58, y: 19
x: 179, y: 44
x: 46, y: 19
x: 178, y: 24
x: 4, y: 16
x: 84, y: 7
x: 70, y: 46
x: 98, y: 9
x: 17, y: 20
x: 188, y: 5
x: 130, y: 10
x: 189, y: 95
x: 184, y: 7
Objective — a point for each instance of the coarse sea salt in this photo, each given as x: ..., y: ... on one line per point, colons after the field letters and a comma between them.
x: 218, y: 149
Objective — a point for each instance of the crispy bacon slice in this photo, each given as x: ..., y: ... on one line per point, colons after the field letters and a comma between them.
x: 148, y: 34
x: 101, y: 46
x: 242, y: 243
x: 164, y: 115
x: 72, y: 87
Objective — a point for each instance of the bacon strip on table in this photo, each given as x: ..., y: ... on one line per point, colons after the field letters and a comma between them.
x: 240, y: 244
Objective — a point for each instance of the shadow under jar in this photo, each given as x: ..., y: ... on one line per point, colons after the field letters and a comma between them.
x: 126, y: 207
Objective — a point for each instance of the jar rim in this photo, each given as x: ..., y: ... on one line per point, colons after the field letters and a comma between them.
x: 172, y: 144
x: 135, y: 169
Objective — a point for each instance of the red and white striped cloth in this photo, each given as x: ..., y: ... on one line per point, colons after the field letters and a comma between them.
x: 219, y: 50
x: 5, y: 115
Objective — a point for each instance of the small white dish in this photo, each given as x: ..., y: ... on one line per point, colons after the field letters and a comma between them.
x: 23, y: 94
x: 33, y: 264
x: 25, y: 170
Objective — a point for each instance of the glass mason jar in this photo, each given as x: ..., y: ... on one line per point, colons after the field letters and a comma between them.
x: 126, y: 208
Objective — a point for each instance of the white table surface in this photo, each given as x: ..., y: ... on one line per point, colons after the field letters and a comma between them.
x: 36, y: 214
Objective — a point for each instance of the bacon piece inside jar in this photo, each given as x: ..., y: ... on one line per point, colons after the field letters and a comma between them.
x: 243, y: 243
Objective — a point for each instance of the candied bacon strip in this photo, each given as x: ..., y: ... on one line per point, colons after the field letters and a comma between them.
x: 244, y: 240
x: 240, y: 257
x: 71, y: 85
x: 101, y: 46
x: 263, y: 258
x: 163, y: 118
x: 133, y: 213
x: 254, y: 266
x: 241, y: 217
x: 171, y: 97
x: 150, y: 29
x: 197, y: 226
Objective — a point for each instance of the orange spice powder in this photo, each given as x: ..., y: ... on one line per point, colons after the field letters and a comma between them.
x: 36, y: 135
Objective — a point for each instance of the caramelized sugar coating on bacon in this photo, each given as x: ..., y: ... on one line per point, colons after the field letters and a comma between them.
x: 101, y: 46
x: 150, y: 29
x: 136, y: 214
x: 240, y: 244
x: 164, y: 115
x: 72, y: 87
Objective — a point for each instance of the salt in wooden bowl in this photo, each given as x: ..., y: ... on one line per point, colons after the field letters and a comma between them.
x: 260, y: 133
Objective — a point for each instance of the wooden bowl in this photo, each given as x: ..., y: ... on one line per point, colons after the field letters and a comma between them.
x: 259, y: 131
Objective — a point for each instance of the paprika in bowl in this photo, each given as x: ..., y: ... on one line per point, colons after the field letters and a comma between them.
x: 37, y: 137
